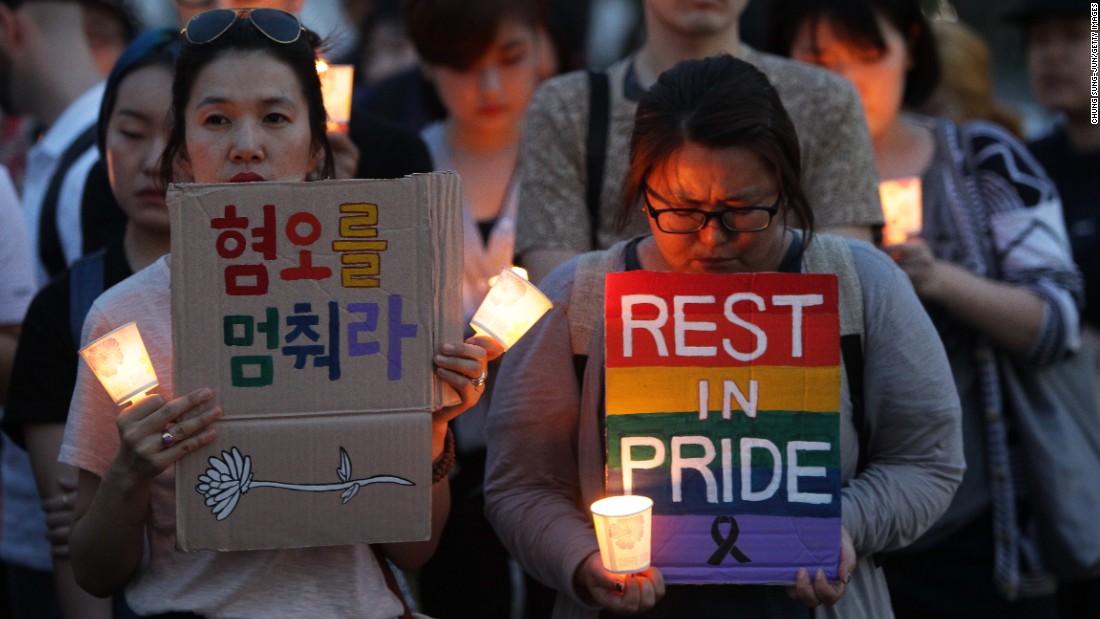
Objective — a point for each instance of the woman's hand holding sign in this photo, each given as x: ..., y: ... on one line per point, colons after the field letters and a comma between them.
x: 820, y: 590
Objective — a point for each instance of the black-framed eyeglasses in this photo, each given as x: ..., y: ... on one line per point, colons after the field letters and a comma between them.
x: 680, y: 220
x: 279, y: 26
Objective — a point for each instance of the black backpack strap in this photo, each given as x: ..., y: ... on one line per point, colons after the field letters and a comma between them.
x: 49, y: 239
x: 599, y: 122
x: 85, y: 284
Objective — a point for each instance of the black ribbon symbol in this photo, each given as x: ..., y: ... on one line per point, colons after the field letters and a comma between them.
x: 726, y: 544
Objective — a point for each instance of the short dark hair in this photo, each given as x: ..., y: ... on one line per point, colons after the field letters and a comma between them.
x: 241, y: 36
x: 456, y: 33
x: 855, y: 23
x: 716, y: 102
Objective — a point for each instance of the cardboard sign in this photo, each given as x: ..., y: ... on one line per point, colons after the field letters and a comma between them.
x: 723, y: 394
x: 313, y: 310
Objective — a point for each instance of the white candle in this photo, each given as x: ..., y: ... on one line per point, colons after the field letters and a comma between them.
x: 337, y: 81
x: 901, y: 208
x: 511, y: 308
x: 624, y: 532
x: 121, y: 363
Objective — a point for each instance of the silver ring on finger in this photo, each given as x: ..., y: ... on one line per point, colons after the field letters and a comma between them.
x: 167, y: 438
x: 479, y: 382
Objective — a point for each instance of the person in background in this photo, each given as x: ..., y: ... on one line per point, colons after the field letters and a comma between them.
x: 60, y: 86
x: 25, y: 592
x: 714, y: 166
x: 992, y: 267
x: 558, y: 218
x: 1057, y: 51
x: 484, y: 60
x: 49, y: 74
x: 384, y: 48
x: 130, y: 136
x: 109, y: 26
x: 246, y: 103
x: 18, y: 281
x: 965, y: 92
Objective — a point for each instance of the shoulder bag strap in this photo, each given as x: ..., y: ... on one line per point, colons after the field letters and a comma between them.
x: 86, y: 280
x: 49, y: 239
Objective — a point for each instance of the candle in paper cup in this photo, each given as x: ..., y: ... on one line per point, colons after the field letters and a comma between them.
x: 901, y: 208
x: 512, y: 306
x: 623, y: 532
x: 121, y: 363
x: 336, y: 86
x: 522, y: 272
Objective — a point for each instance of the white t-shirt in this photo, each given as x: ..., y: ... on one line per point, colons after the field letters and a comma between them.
x: 331, y: 581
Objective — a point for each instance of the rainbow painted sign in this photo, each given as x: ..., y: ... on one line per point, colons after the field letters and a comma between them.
x: 723, y: 399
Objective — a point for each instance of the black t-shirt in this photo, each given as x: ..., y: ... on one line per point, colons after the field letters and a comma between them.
x: 1076, y: 176
x: 386, y: 149
x: 44, y: 375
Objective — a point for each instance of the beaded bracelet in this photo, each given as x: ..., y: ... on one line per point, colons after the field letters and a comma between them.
x: 446, y: 460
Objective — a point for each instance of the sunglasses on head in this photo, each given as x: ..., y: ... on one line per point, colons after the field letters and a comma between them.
x: 279, y: 26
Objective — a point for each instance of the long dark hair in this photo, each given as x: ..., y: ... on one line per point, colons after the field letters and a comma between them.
x: 300, y: 56
x: 716, y: 102
x: 855, y: 22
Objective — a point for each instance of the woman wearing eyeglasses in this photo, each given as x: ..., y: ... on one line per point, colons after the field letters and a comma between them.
x: 714, y: 163
x: 246, y: 104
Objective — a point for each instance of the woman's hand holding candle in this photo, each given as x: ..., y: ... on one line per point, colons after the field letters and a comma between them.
x: 618, y: 593
x: 155, y: 433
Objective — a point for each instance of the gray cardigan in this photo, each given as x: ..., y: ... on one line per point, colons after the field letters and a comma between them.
x: 545, y: 462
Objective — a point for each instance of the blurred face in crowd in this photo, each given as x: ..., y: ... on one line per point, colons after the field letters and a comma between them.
x: 190, y: 8
x: 690, y: 18
x: 1058, y: 64
x: 135, y: 138
x: 494, y: 92
x: 878, y: 75
x: 715, y: 179
x: 247, y: 119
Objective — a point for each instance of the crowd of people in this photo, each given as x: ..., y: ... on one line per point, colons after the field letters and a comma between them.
x: 573, y: 174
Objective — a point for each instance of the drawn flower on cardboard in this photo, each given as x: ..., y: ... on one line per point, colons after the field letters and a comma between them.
x: 108, y: 357
x: 230, y: 476
x: 628, y: 531
x: 225, y: 481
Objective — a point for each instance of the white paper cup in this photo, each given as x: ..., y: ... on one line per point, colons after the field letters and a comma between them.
x: 337, y: 82
x: 121, y: 363
x: 901, y: 209
x: 511, y: 308
x: 623, y: 530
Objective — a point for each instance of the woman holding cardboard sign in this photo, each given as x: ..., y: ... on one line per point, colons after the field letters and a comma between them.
x: 715, y: 165
x: 246, y: 104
